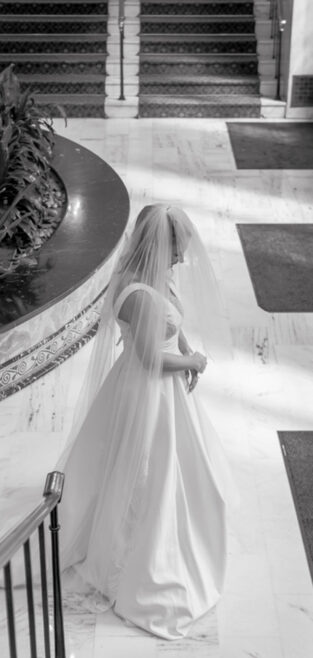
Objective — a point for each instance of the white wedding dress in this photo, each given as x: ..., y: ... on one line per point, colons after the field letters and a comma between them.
x: 166, y: 568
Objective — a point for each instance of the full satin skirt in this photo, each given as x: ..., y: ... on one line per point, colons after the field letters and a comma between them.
x: 161, y: 566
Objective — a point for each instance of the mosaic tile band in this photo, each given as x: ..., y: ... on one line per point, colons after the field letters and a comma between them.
x: 26, y: 367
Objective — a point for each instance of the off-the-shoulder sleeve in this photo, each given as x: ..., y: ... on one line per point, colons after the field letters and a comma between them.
x: 132, y: 287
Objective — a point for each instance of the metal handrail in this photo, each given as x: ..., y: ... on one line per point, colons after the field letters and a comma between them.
x: 20, y: 536
x: 279, y: 23
x: 121, y: 24
x: 15, y: 538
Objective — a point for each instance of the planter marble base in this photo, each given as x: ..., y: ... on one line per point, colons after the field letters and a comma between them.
x: 50, y: 310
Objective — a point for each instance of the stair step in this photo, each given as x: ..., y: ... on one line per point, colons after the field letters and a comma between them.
x: 55, y: 57
x: 74, y: 87
x: 70, y: 98
x: 37, y: 18
x: 221, y: 109
x: 197, y: 58
x: 52, y: 24
x: 44, y: 63
x: 213, y: 99
x: 38, y: 43
x: 202, y: 47
x: 55, y: 7
x: 199, y: 79
x: 199, y: 67
x: 60, y: 84
x: 193, y: 18
x: 75, y: 110
x: 65, y: 78
x: 188, y: 7
x: 197, y: 2
x: 194, y: 38
x: 195, y: 89
x: 199, y: 27
x: 54, y: 38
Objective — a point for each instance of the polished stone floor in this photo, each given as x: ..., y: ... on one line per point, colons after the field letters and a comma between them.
x: 267, y: 607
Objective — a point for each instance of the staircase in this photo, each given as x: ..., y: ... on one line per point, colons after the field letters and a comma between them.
x: 59, y: 51
x: 198, y: 59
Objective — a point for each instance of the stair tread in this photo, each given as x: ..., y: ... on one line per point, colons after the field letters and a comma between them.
x: 194, y: 99
x: 72, y: 98
x: 81, y: 2
x: 34, y: 36
x: 60, y: 77
x: 197, y: 79
x: 197, y: 18
x: 199, y: 2
x: 196, y: 57
x: 53, y: 57
x: 53, y: 18
x: 205, y: 36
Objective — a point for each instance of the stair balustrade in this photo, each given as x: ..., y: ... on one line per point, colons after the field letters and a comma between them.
x: 10, y: 545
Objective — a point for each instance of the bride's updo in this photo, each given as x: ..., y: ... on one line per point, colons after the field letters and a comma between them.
x: 148, y: 222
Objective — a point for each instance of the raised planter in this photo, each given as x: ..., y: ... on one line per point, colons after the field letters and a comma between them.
x: 50, y: 310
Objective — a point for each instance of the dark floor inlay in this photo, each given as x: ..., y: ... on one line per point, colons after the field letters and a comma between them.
x: 277, y: 145
x: 297, y: 449
x: 280, y: 263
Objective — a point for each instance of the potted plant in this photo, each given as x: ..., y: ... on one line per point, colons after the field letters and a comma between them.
x: 32, y: 196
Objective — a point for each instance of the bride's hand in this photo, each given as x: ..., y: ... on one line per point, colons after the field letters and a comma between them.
x: 187, y: 378
x: 198, y: 362
x: 193, y: 381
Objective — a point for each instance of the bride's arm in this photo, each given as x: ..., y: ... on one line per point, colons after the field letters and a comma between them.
x: 175, y: 362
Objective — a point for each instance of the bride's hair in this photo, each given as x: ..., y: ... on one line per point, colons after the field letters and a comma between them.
x: 177, y: 219
x: 157, y: 228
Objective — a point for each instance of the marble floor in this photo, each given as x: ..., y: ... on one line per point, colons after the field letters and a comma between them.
x: 267, y: 607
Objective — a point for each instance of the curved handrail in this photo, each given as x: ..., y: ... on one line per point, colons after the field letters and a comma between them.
x: 20, y: 536
x: 16, y: 537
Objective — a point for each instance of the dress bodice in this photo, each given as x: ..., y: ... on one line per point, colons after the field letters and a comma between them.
x: 174, y: 316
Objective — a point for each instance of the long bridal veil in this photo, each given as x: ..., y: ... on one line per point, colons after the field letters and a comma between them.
x: 144, y: 258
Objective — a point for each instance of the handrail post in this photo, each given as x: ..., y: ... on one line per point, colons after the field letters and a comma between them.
x: 277, y: 29
x: 55, y: 480
x: 121, y: 22
x: 10, y: 609
x: 281, y: 27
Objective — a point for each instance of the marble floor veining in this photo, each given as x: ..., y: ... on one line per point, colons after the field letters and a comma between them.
x: 267, y: 607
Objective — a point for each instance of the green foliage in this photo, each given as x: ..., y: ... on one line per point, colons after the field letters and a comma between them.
x: 28, y: 192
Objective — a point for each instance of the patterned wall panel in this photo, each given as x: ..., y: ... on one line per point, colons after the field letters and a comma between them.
x: 302, y: 91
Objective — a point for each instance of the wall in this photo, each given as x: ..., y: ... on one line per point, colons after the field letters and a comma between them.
x: 300, y: 90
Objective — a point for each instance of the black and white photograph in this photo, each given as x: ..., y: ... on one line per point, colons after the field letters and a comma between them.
x: 156, y: 329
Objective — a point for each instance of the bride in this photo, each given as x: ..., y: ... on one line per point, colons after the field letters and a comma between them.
x: 146, y: 481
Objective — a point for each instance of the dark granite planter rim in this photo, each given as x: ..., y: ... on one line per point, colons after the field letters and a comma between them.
x: 96, y: 215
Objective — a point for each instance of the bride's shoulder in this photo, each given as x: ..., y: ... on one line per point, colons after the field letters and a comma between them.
x: 127, y: 286
x: 128, y: 293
